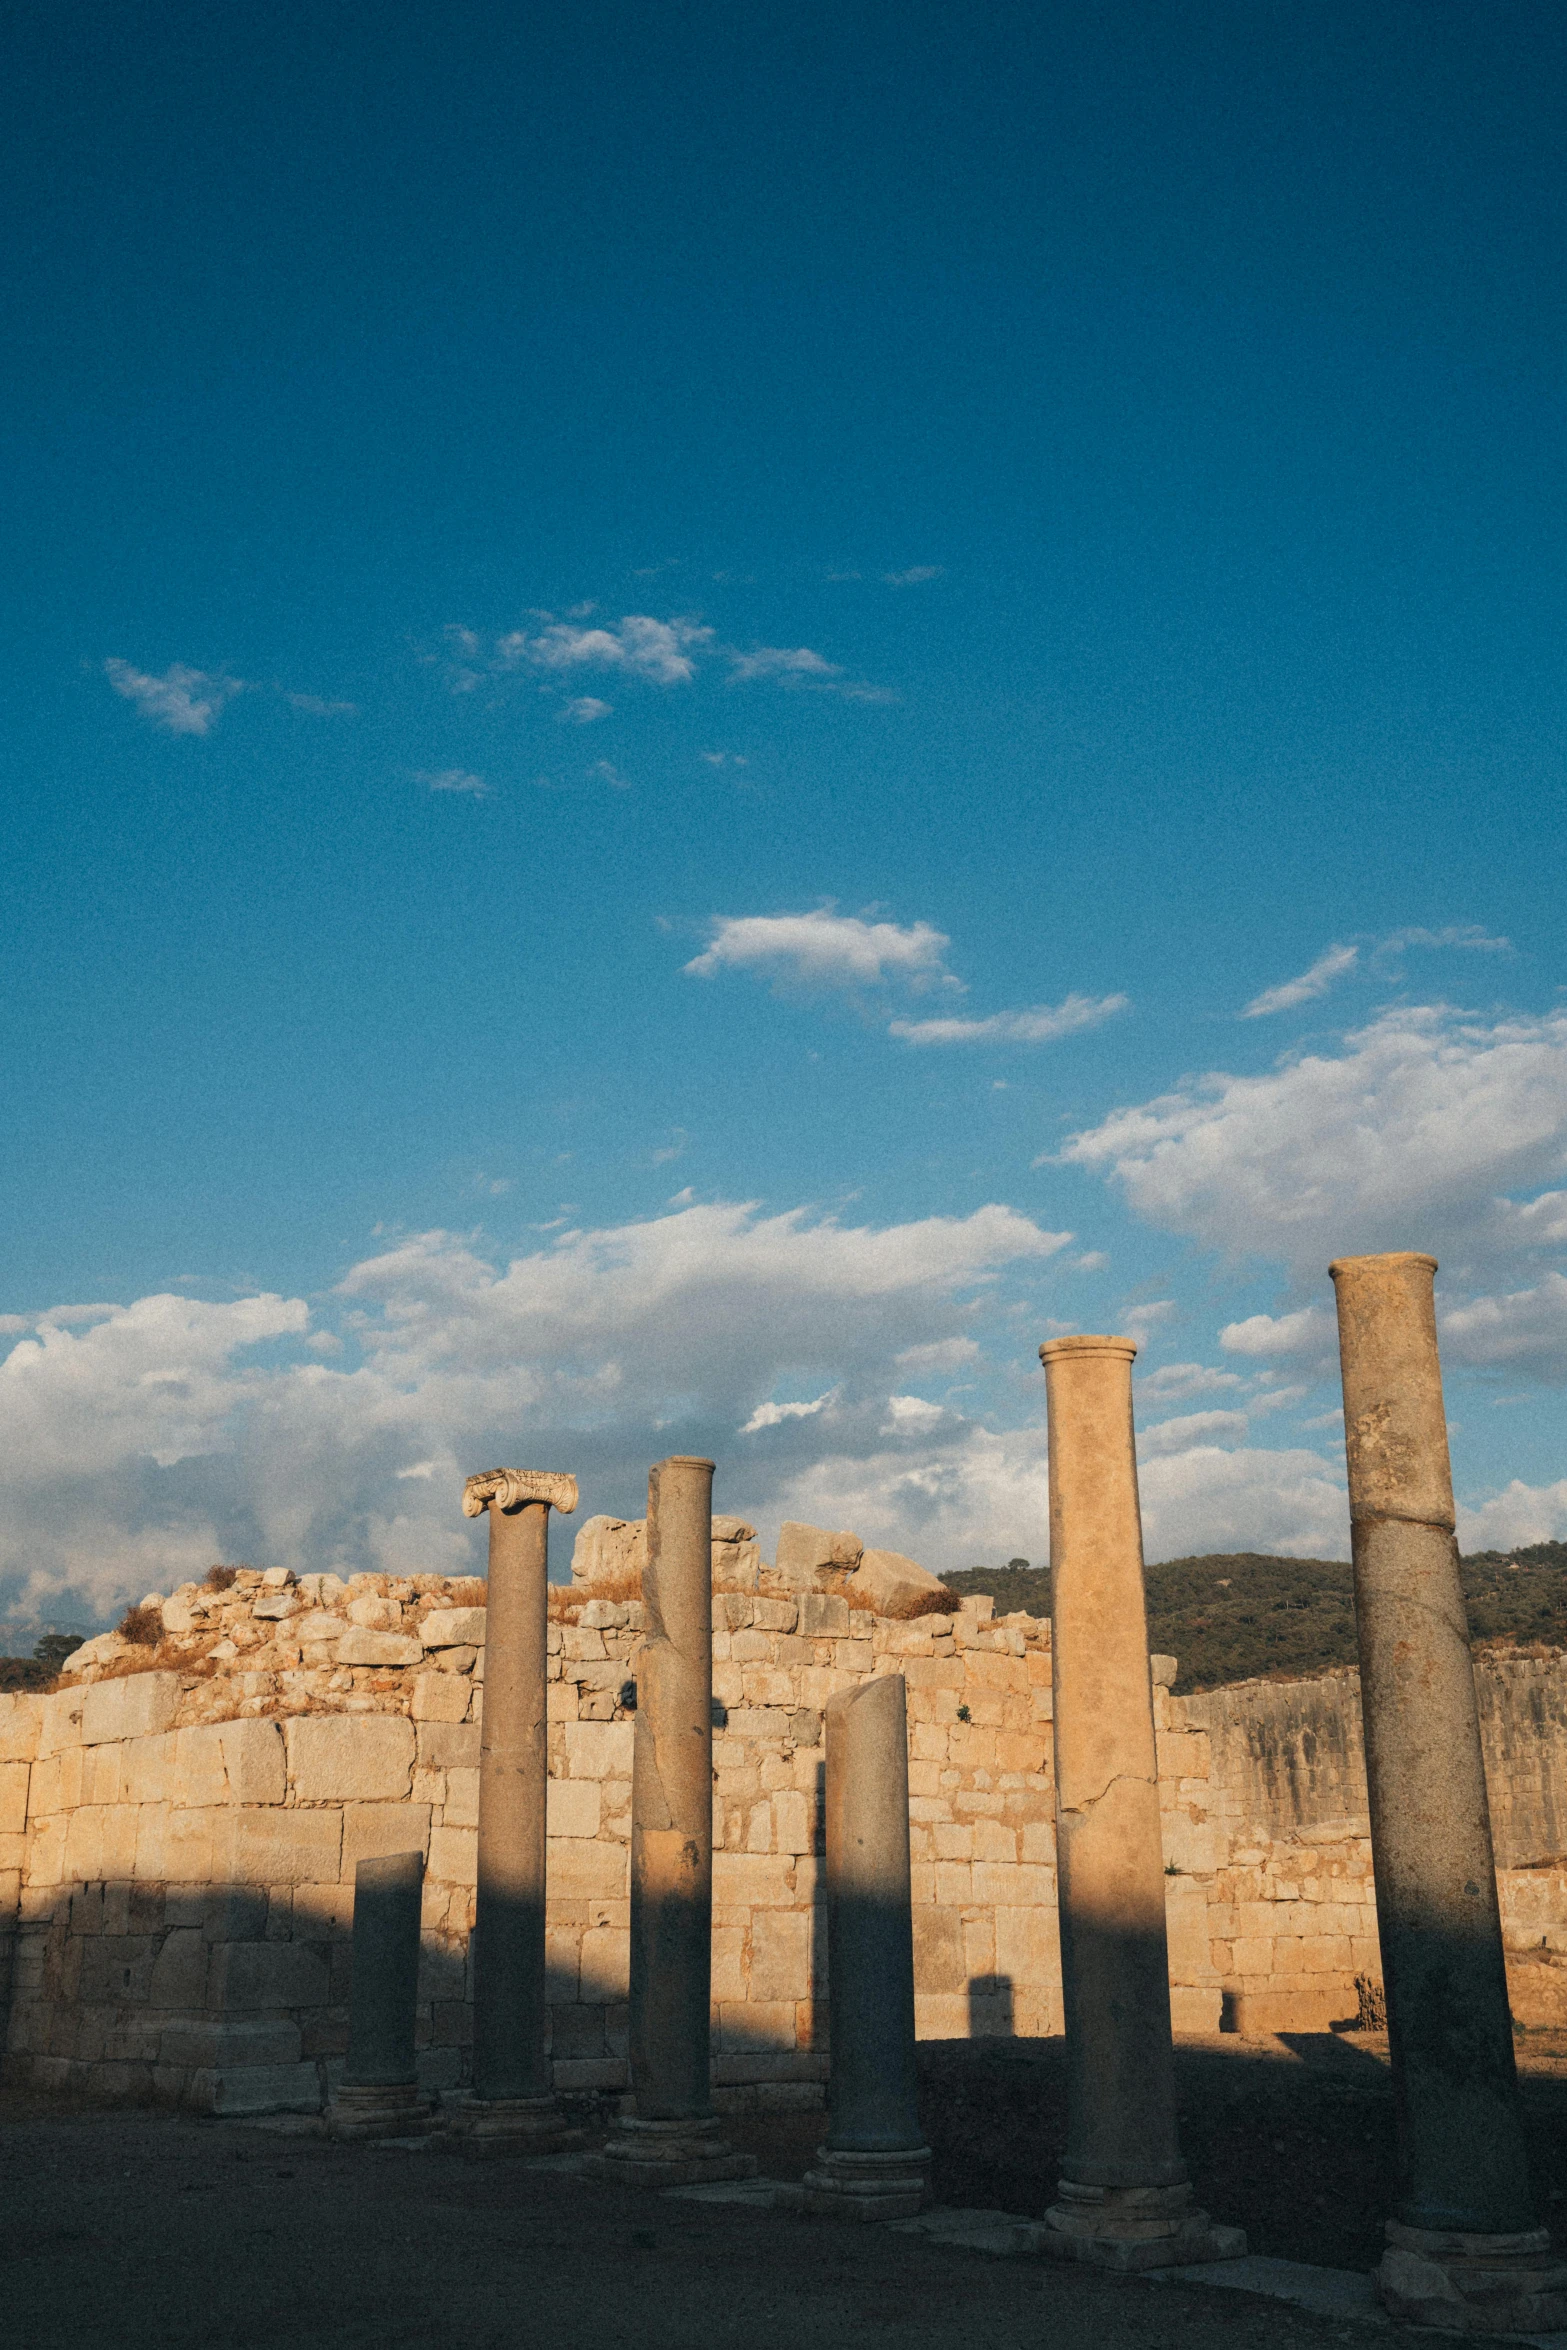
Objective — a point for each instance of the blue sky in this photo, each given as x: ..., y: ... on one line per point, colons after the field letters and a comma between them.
x: 714, y: 716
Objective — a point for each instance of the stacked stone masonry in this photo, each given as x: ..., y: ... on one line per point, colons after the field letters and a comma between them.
x: 178, y: 1842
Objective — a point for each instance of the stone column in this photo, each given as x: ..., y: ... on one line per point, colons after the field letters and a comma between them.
x: 512, y: 2108
x: 874, y: 2163
x: 1125, y: 2195
x: 379, y: 2096
x: 1465, y: 2248
x: 673, y: 2136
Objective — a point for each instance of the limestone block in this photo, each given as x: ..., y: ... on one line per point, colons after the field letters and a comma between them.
x: 607, y: 1548
x: 736, y: 1566
x: 1028, y: 1946
x: 439, y: 1697
x: 351, y: 1757
x: 893, y: 1584
x: 267, y: 1974
x: 599, y: 1750
x: 1186, y: 1928
x: 13, y: 1798
x: 938, y: 1949
x: 572, y: 1806
x: 792, y: 1830
x: 807, y: 1553
x: 454, y: 1855
x: 455, y: 1627
x: 255, y: 2088
x: 581, y: 1869
x: 45, y: 1863
x: 373, y: 1612
x: 149, y: 1769
x: 605, y: 1966
x: 100, y: 1841
x: 179, y: 1977
x: 1194, y: 2009
x: 823, y: 1615
x: 448, y: 1746
x: 262, y: 1844
x: 461, y: 1808
x: 753, y: 1880
x: 21, y: 1719
x: 60, y: 1721
x: 198, y: 2042
x: 763, y: 1722
x: 780, y: 1955
x: 273, y: 1606
x: 372, y: 1831
x: 172, y: 1846
x: 385, y: 1649
x: 254, y: 1761
x: 140, y: 1706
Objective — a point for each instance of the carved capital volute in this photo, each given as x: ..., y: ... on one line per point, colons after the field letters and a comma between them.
x: 510, y: 1488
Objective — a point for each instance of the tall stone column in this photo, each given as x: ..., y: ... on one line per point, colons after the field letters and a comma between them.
x: 379, y: 2095
x: 875, y: 2163
x: 673, y: 2136
x: 1126, y: 2199
x: 512, y: 2108
x: 1465, y: 2248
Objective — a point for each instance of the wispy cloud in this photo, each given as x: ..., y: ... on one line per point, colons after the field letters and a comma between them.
x: 915, y: 576
x: 455, y: 779
x: 1330, y: 965
x: 586, y: 709
x: 1335, y: 961
x: 608, y: 772
x: 1040, y: 1024
x: 724, y: 758
x: 781, y: 661
x: 186, y: 701
x: 824, y: 949
x: 773, y: 1415
x: 660, y: 650
x: 315, y: 706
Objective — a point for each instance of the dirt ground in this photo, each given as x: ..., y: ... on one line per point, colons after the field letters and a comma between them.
x: 135, y: 2231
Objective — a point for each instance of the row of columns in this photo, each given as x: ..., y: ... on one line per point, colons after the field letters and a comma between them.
x: 1465, y: 2249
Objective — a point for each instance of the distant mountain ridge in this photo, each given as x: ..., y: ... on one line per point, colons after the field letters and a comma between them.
x: 1243, y: 1615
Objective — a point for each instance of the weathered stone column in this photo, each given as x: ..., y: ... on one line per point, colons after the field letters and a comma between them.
x: 1126, y: 2200
x: 673, y: 2136
x: 512, y: 2108
x: 874, y: 2164
x: 1465, y: 2248
x: 379, y: 2096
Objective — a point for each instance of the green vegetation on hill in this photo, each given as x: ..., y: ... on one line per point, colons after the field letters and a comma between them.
x: 1241, y: 1616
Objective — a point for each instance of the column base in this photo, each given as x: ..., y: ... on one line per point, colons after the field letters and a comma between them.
x: 1130, y: 2228
x: 401, y: 2111
x: 669, y: 2154
x: 844, y: 2185
x: 485, y: 2126
x: 1473, y: 2284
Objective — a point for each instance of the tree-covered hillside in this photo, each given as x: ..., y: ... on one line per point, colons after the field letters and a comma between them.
x: 1235, y: 1617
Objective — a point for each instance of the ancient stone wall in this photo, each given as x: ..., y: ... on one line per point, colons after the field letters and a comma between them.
x: 177, y: 1843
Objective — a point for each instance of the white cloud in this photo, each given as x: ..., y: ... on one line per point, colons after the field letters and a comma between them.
x: 608, y: 772
x: 1409, y: 1137
x: 660, y: 650
x: 1328, y: 966
x: 1517, y: 1516
x: 941, y: 1354
x: 916, y: 575
x: 773, y: 1415
x: 315, y: 706
x: 1138, y: 1321
x: 586, y: 709
x: 1041, y: 1024
x: 1524, y: 1331
x: 780, y: 661
x: 1311, y: 1330
x: 454, y: 779
x: 911, y: 1415
x: 1192, y: 1428
x: 1457, y: 934
x: 186, y: 701
x: 824, y: 949
x: 1207, y: 1499
x: 1174, y: 1381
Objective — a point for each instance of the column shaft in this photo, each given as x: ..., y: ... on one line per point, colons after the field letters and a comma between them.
x: 384, y: 2003
x: 672, y: 1802
x: 873, y: 2094
x: 510, y: 2017
x: 1462, y: 2164
x: 1121, y: 2129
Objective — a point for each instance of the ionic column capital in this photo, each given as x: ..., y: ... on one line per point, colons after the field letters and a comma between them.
x: 510, y: 1488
